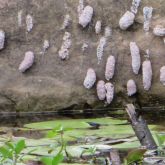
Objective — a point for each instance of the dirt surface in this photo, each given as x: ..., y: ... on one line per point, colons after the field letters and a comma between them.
x: 53, y: 84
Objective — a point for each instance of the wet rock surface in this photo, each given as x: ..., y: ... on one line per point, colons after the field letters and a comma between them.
x: 53, y: 84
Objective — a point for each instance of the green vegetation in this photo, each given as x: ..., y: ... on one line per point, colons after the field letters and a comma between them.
x: 75, y: 141
x: 10, y: 152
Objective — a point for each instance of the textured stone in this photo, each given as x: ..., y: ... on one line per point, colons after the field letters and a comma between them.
x: 53, y: 84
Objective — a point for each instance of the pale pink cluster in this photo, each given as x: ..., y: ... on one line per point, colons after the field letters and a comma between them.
x: 86, y: 16
x: 159, y: 30
x: 67, y: 21
x: 100, y: 48
x: 107, y: 32
x: 98, y: 27
x: 64, y: 51
x: 90, y: 78
x: 84, y: 47
x: 131, y: 87
x: 80, y: 7
x: 109, y: 92
x: 126, y: 20
x: 110, y: 68
x: 29, y: 23
x: 101, y: 91
x: 147, y: 74
x: 46, y: 45
x: 27, y: 61
x: 162, y: 75
x: 147, y: 12
x: 135, y: 5
x: 20, y: 18
x: 2, y: 39
x: 135, y: 54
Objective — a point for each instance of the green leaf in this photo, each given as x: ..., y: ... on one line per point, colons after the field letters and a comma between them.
x: 20, y: 146
x: 57, y: 159
x: 160, y: 138
x: 68, y: 129
x: 47, y: 160
x: 59, y: 130
x: 10, y: 145
x: 6, y: 153
x: 135, y: 155
x: 51, y: 134
x: 91, y: 150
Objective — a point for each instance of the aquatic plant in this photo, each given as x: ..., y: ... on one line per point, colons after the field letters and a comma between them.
x: 162, y: 75
x: 58, y: 158
x: 90, y: 78
x: 98, y: 27
x: 135, y: 54
x: 29, y: 23
x: 159, y: 30
x: 10, y: 152
x: 135, y: 157
x: 147, y: 74
x: 100, y: 48
x: 109, y: 92
x: 126, y: 20
x: 160, y: 139
x: 101, y: 91
x: 27, y: 61
x: 131, y: 87
x: 147, y: 12
x: 110, y: 68
x: 86, y: 16
x: 2, y: 39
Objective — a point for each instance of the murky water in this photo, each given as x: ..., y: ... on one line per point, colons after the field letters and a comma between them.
x: 119, y: 134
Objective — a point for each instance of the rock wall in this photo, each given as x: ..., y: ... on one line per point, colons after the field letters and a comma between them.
x: 53, y: 84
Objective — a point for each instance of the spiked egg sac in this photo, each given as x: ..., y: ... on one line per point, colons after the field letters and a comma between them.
x: 131, y: 87
x: 147, y: 74
x: 159, y: 30
x: 84, y: 47
x: 27, y: 61
x: 162, y: 75
x: 108, y: 32
x: 101, y: 91
x: 100, y: 48
x: 135, y: 5
x: 147, y: 12
x: 90, y: 78
x: 29, y: 23
x: 67, y: 21
x: 20, y: 18
x: 86, y: 16
x: 110, y: 68
x: 64, y: 50
x: 63, y: 54
x: 80, y: 7
x: 126, y: 20
x: 135, y: 54
x: 98, y: 27
x: 2, y: 39
x: 109, y: 92
x: 46, y: 45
